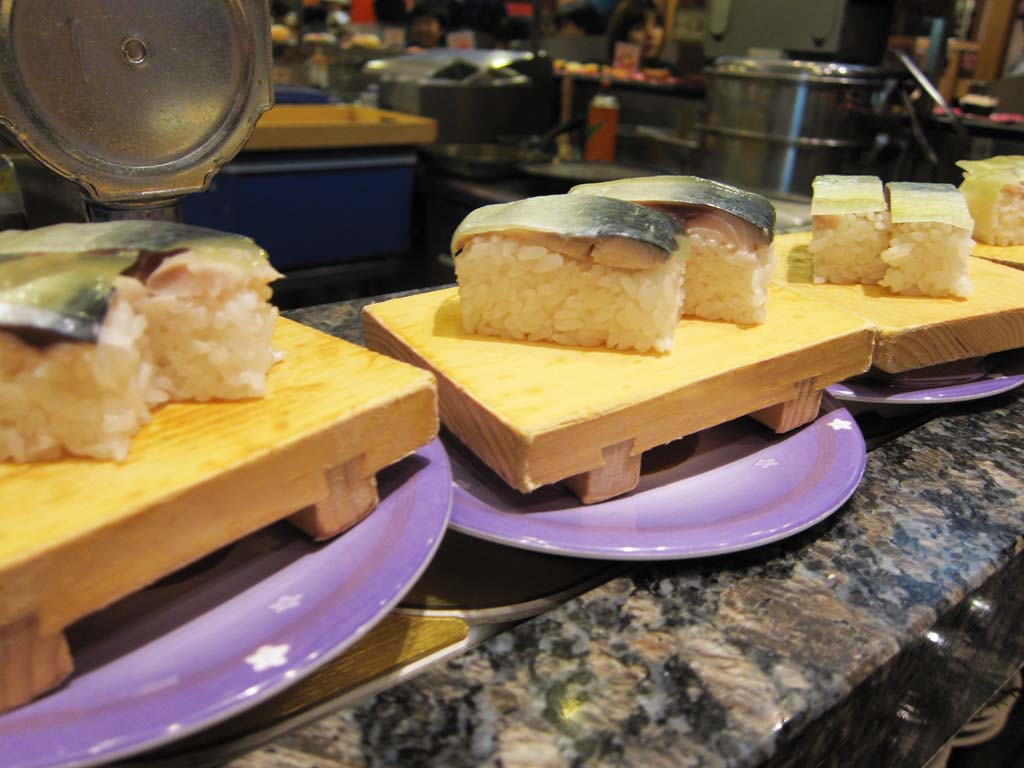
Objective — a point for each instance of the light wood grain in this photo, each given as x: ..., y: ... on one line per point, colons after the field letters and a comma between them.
x: 77, y: 534
x: 918, y: 331
x: 619, y: 474
x: 327, y: 126
x: 1010, y: 255
x: 539, y: 413
x: 352, y: 497
x: 29, y: 662
x: 993, y: 36
x: 786, y: 416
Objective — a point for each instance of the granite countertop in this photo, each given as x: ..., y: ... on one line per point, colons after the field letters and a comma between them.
x: 866, y: 640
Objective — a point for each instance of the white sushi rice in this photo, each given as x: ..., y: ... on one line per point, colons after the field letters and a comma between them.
x: 196, y: 331
x: 209, y: 329
x: 522, y: 291
x: 84, y: 397
x: 928, y: 259
x: 726, y: 282
x: 848, y: 249
x: 1008, y: 215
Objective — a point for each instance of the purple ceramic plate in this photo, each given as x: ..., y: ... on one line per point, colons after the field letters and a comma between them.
x: 232, y: 630
x: 1005, y: 372
x: 733, y: 487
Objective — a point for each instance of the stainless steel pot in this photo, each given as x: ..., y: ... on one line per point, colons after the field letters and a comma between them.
x: 474, y: 96
x: 773, y: 125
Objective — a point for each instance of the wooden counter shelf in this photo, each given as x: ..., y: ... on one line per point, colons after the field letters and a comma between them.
x: 337, y: 126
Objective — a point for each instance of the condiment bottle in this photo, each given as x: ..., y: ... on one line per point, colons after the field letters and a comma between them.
x: 602, y: 123
x: 316, y: 65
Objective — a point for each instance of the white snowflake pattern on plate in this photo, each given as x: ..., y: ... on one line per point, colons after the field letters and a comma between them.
x: 838, y: 424
x: 285, y: 603
x: 268, y: 656
x: 766, y: 463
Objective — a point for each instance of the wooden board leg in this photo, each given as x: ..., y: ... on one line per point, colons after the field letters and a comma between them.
x: 620, y: 474
x: 794, y: 413
x: 351, y: 498
x: 30, y: 664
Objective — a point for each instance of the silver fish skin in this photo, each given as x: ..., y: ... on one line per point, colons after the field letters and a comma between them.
x: 692, y: 191
x: 56, y: 283
x: 138, y: 236
x: 573, y: 216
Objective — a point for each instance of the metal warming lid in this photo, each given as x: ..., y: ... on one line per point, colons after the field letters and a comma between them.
x: 134, y: 100
x: 452, y: 67
x: 834, y: 73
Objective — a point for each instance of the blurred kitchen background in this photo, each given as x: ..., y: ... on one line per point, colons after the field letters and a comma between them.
x: 394, y: 119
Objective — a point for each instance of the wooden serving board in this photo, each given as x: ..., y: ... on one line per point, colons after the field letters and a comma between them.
x: 918, y: 331
x: 538, y: 413
x: 335, y: 126
x: 1010, y: 255
x: 77, y: 534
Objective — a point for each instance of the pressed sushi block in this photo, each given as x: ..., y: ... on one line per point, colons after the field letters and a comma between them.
x: 591, y: 271
x: 730, y: 231
x: 101, y: 323
x: 540, y: 413
x: 912, y: 238
x: 153, y: 490
x: 850, y: 226
x: 929, y: 240
x: 914, y: 332
x: 994, y: 190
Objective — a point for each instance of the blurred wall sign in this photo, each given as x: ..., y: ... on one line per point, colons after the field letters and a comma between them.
x: 461, y: 40
x: 626, y: 57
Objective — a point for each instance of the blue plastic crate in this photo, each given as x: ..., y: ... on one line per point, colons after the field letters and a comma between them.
x: 312, y: 209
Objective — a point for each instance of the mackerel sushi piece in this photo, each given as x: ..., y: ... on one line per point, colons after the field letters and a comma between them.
x: 930, y: 240
x: 75, y: 372
x: 850, y: 224
x: 730, y: 231
x: 100, y: 322
x: 571, y: 270
x: 994, y: 190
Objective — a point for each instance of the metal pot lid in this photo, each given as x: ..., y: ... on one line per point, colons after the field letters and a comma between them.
x: 439, y: 65
x: 134, y: 99
x: 805, y: 71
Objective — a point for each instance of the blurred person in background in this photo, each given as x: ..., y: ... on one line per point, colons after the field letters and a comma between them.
x: 639, y: 22
x: 429, y: 22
